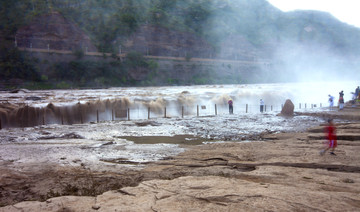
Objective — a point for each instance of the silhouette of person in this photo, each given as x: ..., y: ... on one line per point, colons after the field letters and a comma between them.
x: 262, y: 103
x: 231, y: 108
x: 331, y: 102
x: 341, y: 100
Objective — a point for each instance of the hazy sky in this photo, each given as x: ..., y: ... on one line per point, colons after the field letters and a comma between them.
x: 344, y: 10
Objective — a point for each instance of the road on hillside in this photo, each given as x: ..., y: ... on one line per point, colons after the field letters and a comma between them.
x: 100, y: 54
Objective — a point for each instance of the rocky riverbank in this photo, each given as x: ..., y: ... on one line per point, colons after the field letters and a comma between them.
x: 275, y: 172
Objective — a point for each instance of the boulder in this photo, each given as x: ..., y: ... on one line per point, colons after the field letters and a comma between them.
x: 288, y: 109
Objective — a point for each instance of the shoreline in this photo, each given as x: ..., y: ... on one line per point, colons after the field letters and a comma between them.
x: 281, y: 171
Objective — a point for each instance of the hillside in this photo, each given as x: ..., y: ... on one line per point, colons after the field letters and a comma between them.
x: 53, y: 31
x: 241, y: 30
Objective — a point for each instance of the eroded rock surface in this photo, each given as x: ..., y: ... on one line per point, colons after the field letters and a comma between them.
x: 284, y: 173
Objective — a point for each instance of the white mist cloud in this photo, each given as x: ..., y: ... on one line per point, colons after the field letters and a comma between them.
x: 311, y: 63
x: 345, y: 10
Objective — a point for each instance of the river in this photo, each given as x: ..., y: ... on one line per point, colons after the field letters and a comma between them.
x: 141, y: 139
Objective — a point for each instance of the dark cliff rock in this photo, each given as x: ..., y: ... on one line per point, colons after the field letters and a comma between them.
x: 160, y: 41
x: 237, y: 47
x: 55, y: 32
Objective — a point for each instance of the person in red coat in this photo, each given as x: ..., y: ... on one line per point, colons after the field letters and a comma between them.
x: 330, y: 130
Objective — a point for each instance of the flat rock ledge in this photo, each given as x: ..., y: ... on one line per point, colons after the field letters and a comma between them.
x: 285, y: 173
x: 211, y: 193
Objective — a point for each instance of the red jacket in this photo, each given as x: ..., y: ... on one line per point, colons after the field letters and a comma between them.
x: 331, y: 132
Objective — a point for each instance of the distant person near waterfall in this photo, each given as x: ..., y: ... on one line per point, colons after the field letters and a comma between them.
x: 357, y: 94
x: 231, y: 108
x: 341, y: 100
x: 331, y: 102
x: 262, y: 103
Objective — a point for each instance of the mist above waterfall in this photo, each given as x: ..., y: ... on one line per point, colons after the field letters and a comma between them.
x: 297, y: 62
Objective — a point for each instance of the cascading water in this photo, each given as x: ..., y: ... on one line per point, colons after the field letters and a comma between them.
x: 83, y: 106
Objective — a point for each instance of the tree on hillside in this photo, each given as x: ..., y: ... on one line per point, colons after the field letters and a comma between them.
x: 16, y: 64
x: 196, y: 16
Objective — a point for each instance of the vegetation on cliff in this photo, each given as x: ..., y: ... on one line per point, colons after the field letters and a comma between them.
x: 110, y: 23
x: 16, y: 65
x: 257, y: 20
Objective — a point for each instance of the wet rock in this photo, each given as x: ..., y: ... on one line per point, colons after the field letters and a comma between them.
x: 48, y: 137
x: 347, y: 180
x: 76, y: 161
x: 20, y: 91
x: 96, y: 207
x: 7, y: 139
x: 33, y: 98
x: 45, y: 132
x: 122, y: 161
x: 227, y: 138
x: 71, y: 135
x: 288, y: 109
x: 146, y: 123
x: 108, y: 143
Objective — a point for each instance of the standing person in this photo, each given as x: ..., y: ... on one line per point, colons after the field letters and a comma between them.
x: 231, y: 108
x: 357, y: 91
x: 262, y: 105
x: 353, y: 100
x: 331, y: 102
x: 341, y: 100
x: 331, y: 136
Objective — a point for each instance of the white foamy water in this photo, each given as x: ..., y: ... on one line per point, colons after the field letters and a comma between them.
x: 102, y: 141
x: 173, y: 98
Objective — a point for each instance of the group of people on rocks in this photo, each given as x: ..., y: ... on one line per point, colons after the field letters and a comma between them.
x: 341, y: 101
x: 355, y: 98
x: 330, y: 129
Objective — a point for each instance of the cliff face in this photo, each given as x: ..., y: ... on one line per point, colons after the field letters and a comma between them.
x: 55, y: 32
x: 236, y: 47
x: 160, y: 41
